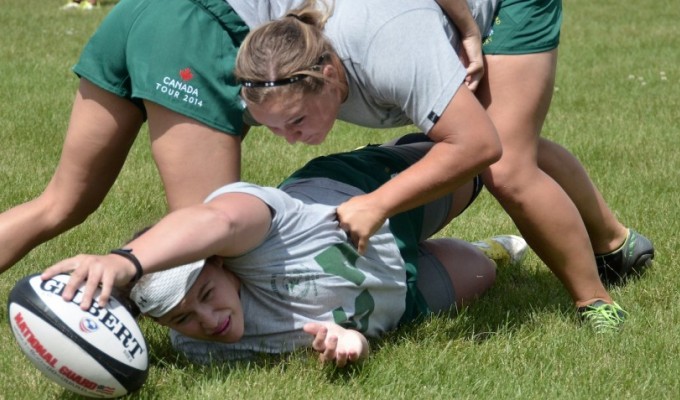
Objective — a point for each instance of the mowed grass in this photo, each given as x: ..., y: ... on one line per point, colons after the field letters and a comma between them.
x: 615, y: 106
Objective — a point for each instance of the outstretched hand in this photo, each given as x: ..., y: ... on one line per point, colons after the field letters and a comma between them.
x: 337, y: 344
x: 360, y: 219
x: 94, y: 271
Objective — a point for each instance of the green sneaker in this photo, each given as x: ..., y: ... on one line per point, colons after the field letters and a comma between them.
x: 631, y: 259
x: 503, y: 249
x: 603, y: 317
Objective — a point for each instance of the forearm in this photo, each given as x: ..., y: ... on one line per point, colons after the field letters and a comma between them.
x: 459, y: 12
x: 466, y: 143
x: 181, y: 237
x: 184, y: 236
x: 229, y: 225
x: 445, y: 168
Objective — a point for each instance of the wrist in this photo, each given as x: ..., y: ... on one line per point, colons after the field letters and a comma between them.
x: 127, y: 253
x: 470, y: 32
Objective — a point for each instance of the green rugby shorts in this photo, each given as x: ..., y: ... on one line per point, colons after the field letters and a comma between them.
x: 179, y: 54
x: 525, y: 27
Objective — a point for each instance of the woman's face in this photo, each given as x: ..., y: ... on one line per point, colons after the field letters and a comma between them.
x: 300, y: 118
x: 211, y: 310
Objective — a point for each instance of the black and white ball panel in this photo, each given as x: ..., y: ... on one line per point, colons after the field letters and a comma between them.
x: 99, y: 352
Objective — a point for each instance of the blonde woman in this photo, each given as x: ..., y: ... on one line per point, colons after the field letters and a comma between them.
x: 389, y: 63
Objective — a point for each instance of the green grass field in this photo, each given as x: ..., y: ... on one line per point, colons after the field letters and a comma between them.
x: 617, y: 107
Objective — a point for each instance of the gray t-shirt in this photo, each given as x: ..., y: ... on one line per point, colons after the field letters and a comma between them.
x: 257, y: 12
x: 400, y: 60
x: 305, y: 271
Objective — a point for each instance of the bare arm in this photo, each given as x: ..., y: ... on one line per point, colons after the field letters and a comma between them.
x: 466, y: 144
x: 229, y: 225
x: 471, y: 39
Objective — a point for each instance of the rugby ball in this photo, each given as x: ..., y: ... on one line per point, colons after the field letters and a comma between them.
x: 99, y: 352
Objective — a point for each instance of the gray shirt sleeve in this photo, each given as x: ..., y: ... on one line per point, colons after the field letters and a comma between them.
x: 403, y: 67
x: 415, y: 66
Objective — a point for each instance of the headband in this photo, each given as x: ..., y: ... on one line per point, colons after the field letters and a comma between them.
x: 285, y: 81
x: 278, y: 82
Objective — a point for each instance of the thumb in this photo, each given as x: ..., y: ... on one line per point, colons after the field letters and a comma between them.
x: 362, y: 244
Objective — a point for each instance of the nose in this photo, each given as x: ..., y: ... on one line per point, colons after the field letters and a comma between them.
x: 207, y: 319
x: 292, y: 136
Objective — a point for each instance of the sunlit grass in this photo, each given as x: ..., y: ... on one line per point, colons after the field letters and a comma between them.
x: 616, y: 107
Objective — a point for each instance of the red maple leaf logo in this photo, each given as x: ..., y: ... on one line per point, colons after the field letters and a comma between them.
x: 186, y: 74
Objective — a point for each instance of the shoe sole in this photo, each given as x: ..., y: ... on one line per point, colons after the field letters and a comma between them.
x: 641, y: 264
x: 638, y: 269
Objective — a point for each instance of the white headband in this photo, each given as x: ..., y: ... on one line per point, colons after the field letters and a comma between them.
x: 159, y: 292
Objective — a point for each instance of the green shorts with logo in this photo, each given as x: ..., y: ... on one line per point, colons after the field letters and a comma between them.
x: 525, y: 27
x: 179, y: 54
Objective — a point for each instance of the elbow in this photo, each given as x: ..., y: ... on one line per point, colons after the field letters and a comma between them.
x: 489, y: 151
x: 495, y: 150
x: 221, y: 218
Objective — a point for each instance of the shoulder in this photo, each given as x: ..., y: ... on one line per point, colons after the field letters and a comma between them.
x: 358, y: 27
x: 257, y: 12
x: 369, y: 16
x: 276, y: 199
x: 237, y: 187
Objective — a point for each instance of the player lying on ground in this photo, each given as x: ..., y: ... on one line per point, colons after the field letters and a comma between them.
x: 269, y: 270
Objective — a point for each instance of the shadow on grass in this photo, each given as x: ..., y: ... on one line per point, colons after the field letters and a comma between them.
x: 520, y: 298
x: 162, y: 356
x: 517, y: 298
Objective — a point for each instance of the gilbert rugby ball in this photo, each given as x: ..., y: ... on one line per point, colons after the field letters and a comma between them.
x: 99, y: 352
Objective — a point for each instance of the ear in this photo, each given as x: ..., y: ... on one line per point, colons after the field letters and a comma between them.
x: 231, y: 277
x: 330, y: 72
x: 154, y: 319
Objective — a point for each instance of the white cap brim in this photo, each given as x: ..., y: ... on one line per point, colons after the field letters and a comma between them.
x: 159, y: 292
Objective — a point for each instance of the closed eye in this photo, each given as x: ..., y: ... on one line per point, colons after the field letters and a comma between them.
x: 180, y: 319
x: 297, y: 121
